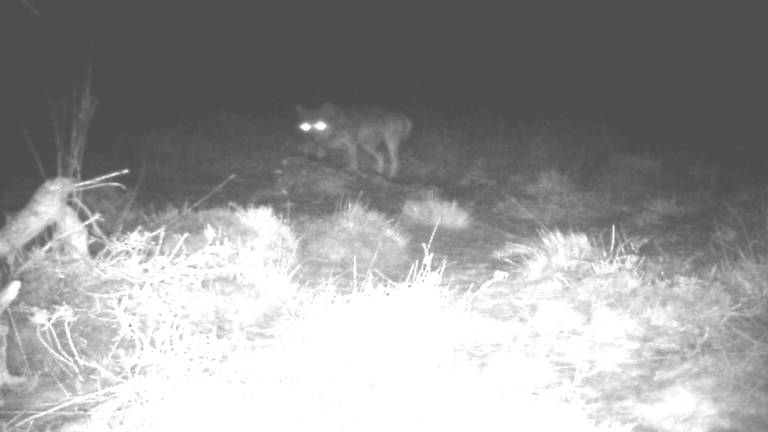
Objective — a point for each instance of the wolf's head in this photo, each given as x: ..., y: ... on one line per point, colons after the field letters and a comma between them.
x: 317, y: 123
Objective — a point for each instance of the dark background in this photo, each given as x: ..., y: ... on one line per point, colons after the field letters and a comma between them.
x: 655, y: 68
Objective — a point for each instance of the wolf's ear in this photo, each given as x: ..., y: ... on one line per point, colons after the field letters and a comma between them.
x: 328, y: 107
x: 300, y: 110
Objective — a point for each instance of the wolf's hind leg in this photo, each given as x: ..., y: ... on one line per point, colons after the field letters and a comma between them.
x: 379, y: 159
x: 394, y: 161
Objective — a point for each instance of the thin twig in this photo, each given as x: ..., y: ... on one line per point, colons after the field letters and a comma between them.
x: 32, y: 149
x: 71, y: 119
x: 87, y: 398
x: 20, y: 344
x: 213, y: 191
x: 96, y: 186
x: 31, y: 7
x: 101, y: 178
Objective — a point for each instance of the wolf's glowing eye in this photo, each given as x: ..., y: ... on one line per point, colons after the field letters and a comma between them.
x: 321, y: 126
x: 306, y: 127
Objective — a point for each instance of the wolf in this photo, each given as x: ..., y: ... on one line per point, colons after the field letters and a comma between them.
x: 330, y: 127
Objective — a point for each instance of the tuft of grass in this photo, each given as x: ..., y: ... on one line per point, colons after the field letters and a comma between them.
x: 432, y: 211
x: 312, y: 180
x: 592, y: 311
x: 257, y: 229
x: 195, y: 340
x: 550, y: 196
x: 356, y: 236
x: 123, y: 334
x: 555, y: 252
x: 395, y: 357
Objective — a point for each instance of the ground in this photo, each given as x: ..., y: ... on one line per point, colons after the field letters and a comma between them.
x: 565, y: 225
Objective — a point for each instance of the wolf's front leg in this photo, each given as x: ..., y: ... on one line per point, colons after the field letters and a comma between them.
x: 352, y: 154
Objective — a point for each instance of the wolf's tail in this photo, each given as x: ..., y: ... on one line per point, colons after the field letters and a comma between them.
x: 408, y: 128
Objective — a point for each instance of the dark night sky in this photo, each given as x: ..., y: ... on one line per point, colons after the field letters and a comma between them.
x: 697, y: 62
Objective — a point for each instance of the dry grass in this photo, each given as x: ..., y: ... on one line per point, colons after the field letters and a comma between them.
x: 172, y: 327
x: 432, y: 211
x: 551, y: 197
x: 355, y: 237
x: 297, y: 176
x: 595, y: 311
x: 156, y: 337
x: 413, y: 348
x: 72, y: 117
x: 197, y: 321
x: 556, y: 253
x: 140, y: 316
x: 198, y: 340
